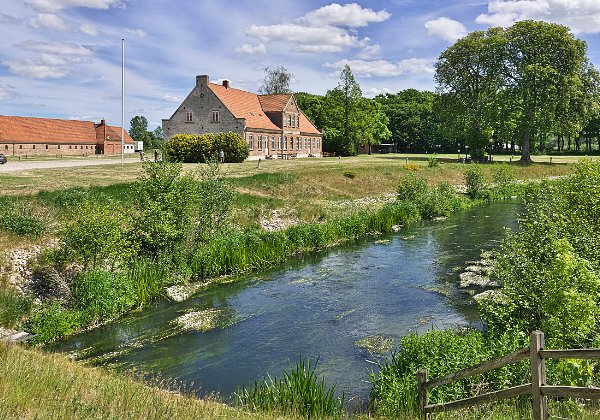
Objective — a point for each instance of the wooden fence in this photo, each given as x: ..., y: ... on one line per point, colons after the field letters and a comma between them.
x: 538, y: 389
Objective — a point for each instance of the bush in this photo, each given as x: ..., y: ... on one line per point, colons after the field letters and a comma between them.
x: 412, y: 187
x: 475, y: 181
x: 432, y: 161
x: 503, y: 175
x: 193, y: 148
x: 350, y: 174
x: 102, y: 295
x: 20, y: 217
x: 431, y: 202
x: 298, y: 392
x: 51, y: 321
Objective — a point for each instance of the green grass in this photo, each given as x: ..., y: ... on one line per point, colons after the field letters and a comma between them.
x: 298, y: 392
x: 38, y: 385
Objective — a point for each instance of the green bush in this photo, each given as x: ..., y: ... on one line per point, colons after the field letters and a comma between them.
x: 432, y: 161
x: 298, y: 392
x: 350, y: 174
x: 102, y: 295
x: 20, y: 217
x: 51, y: 321
x: 475, y: 181
x: 412, y: 187
x: 194, y: 148
x: 503, y: 175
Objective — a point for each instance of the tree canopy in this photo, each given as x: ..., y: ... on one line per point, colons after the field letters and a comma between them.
x: 277, y: 81
x: 515, y: 83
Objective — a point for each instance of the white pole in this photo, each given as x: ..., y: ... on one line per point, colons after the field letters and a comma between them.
x: 122, y: 99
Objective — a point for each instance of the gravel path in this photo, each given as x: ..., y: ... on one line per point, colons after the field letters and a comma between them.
x: 13, y: 165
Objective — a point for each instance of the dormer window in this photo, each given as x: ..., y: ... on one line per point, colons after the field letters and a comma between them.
x: 189, y: 117
x: 216, y: 117
x: 289, y: 120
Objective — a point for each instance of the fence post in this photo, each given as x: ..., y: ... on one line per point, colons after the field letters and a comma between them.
x: 538, y: 376
x: 422, y: 392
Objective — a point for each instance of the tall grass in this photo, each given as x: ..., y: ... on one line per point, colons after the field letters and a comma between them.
x: 241, y: 251
x: 13, y: 307
x: 298, y: 392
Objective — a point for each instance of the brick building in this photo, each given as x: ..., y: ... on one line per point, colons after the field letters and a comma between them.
x: 45, y: 136
x: 273, y: 125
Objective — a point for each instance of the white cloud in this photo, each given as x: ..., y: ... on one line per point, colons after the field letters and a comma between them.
x: 349, y: 15
x: 47, y: 21
x: 171, y: 98
x: 383, y: 68
x: 4, y: 18
x: 36, y: 70
x: 7, y: 92
x: 372, y: 92
x: 446, y: 29
x: 582, y: 16
x: 64, y: 48
x: 369, y: 51
x: 259, y: 49
x: 307, y: 39
x: 89, y: 29
x: 66, y: 4
x: 140, y: 33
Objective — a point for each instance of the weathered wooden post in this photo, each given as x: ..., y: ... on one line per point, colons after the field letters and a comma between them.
x: 422, y: 392
x: 538, y: 376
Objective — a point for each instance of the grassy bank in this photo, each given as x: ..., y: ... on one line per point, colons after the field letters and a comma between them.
x: 38, y: 385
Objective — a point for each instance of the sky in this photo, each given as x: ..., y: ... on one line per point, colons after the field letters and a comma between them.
x: 62, y: 58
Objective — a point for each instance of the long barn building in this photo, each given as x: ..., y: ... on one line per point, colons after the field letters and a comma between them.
x: 46, y: 136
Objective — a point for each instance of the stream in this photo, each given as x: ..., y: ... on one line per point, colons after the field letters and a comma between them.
x: 316, y: 306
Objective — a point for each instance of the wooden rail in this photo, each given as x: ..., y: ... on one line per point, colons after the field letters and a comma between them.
x: 537, y: 388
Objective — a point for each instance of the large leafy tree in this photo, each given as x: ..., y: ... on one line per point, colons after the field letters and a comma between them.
x: 138, y: 127
x: 277, y: 81
x: 469, y: 77
x: 544, y: 70
x: 413, y: 124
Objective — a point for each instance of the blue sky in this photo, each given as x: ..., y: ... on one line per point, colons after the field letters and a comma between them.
x: 62, y: 58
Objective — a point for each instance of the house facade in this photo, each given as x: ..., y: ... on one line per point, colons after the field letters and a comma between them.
x: 273, y: 125
x: 46, y: 136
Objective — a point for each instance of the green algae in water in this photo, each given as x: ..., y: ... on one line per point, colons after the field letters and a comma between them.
x: 205, y: 320
x: 375, y: 344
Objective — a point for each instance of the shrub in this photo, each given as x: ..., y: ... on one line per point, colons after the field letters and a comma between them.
x: 298, y: 392
x: 475, y: 181
x: 503, y: 175
x: 20, y: 217
x: 51, y: 321
x: 412, y: 187
x: 432, y: 161
x: 199, y: 148
x: 102, y: 295
x: 350, y: 174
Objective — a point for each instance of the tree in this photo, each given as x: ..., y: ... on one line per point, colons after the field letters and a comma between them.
x: 543, y: 61
x: 158, y: 133
x: 138, y: 128
x: 469, y: 80
x: 277, y: 81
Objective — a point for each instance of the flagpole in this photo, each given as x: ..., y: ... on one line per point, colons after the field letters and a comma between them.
x: 122, y: 99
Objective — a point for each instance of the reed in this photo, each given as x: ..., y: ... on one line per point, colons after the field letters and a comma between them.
x: 297, y: 392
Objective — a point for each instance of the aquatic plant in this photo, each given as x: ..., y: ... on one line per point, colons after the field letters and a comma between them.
x: 299, y: 391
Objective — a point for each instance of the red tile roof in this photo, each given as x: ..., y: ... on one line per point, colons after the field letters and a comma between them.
x: 274, y: 103
x: 244, y: 104
x: 47, y: 130
x: 306, y: 125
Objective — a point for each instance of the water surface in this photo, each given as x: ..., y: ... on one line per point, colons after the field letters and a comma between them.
x: 316, y: 306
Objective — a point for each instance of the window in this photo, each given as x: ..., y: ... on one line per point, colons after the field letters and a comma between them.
x: 216, y: 117
x: 279, y: 145
x: 285, y: 143
x: 46, y: 146
x: 251, y: 142
x: 313, y: 143
x: 299, y: 143
x: 293, y: 121
x: 59, y: 146
x: 34, y: 146
x: 20, y: 146
x: 273, y: 145
x: 318, y: 144
x: 305, y: 143
x: 290, y: 120
x: 189, y: 117
x: 259, y: 142
x: 6, y: 147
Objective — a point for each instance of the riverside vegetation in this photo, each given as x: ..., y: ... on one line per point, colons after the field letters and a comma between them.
x: 104, y: 264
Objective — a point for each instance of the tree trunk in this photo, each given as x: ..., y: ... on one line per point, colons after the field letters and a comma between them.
x: 525, y: 152
x: 577, y: 146
x: 569, y: 138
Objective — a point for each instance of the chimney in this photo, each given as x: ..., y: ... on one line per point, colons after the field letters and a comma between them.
x: 102, y: 121
x: 226, y: 84
x: 202, y: 80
